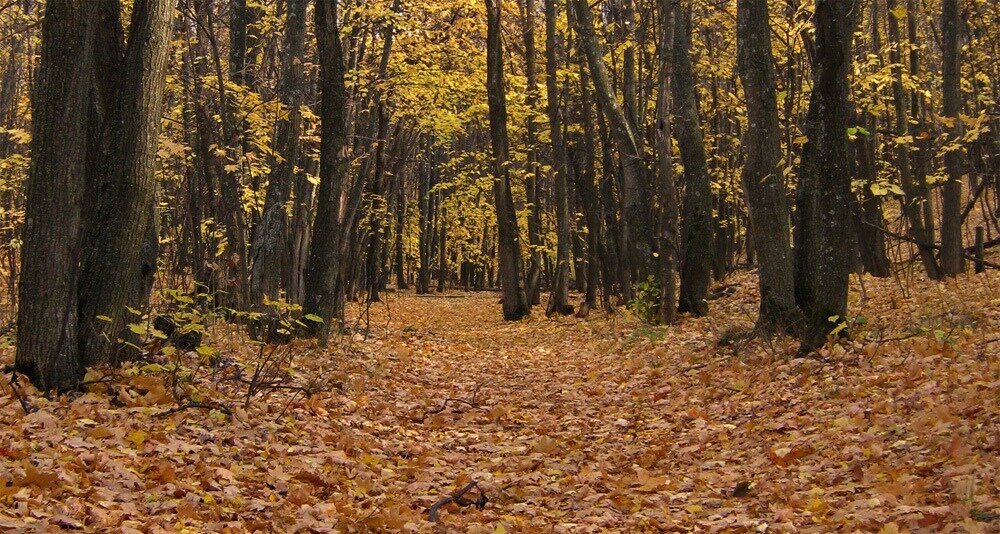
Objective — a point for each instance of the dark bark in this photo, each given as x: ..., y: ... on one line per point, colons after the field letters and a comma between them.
x: 268, y: 246
x: 952, y: 257
x: 47, y: 325
x: 827, y: 178
x: 400, y: 192
x: 914, y: 191
x: 425, y: 221
x: 598, y: 261
x: 636, y: 218
x: 867, y: 213
x: 103, y: 258
x: 559, y: 292
x: 324, y: 293
x: 515, y: 305
x: 532, y: 286
x: 696, y: 220
x: 112, y: 262
x: 763, y: 184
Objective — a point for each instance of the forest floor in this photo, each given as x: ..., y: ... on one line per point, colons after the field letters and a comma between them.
x: 566, y: 425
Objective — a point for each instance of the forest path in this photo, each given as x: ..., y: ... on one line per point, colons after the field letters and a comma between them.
x: 605, y: 423
x: 563, y: 421
x: 567, y: 424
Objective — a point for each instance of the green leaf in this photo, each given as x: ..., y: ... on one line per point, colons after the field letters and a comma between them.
x: 137, y: 328
x: 313, y: 317
x: 104, y: 318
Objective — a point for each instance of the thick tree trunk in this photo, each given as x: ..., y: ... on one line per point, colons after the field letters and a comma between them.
x: 952, y: 255
x: 830, y: 251
x: 113, y: 254
x: 696, y: 220
x: 515, y: 305
x: 324, y: 294
x: 268, y: 246
x: 47, y: 321
x: 763, y: 183
x: 559, y: 293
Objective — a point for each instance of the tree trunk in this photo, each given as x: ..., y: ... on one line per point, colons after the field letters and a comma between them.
x: 559, y: 295
x: 638, y: 231
x: 324, y: 296
x: 515, y: 304
x: 598, y: 260
x: 400, y: 193
x: 268, y: 246
x: 696, y: 220
x: 830, y: 251
x: 47, y: 326
x: 667, y: 191
x: 532, y: 286
x: 763, y: 182
x: 952, y: 255
x: 913, y: 197
x: 114, y: 245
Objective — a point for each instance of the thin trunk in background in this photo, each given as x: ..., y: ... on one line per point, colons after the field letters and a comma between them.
x: 268, y: 246
x: 515, y: 304
x: 697, y: 244
x: 559, y: 295
x: 952, y: 255
x: 667, y: 192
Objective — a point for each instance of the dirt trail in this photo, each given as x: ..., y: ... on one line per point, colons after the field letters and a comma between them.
x: 568, y: 425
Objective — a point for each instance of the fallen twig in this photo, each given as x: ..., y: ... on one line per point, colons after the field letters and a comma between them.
x: 458, y: 498
x: 25, y: 405
x: 199, y: 405
x: 444, y: 405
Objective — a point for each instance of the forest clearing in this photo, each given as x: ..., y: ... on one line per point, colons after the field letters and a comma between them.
x: 568, y: 426
x: 500, y: 266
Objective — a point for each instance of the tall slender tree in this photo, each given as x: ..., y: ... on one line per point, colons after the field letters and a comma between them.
x: 559, y: 295
x: 268, y: 245
x: 697, y: 244
x: 762, y: 179
x: 324, y: 291
x: 952, y: 255
x: 914, y: 190
x: 638, y: 233
x: 533, y: 280
x: 515, y: 305
x: 666, y: 190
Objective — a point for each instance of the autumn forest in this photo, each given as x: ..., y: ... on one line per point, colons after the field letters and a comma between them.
x: 500, y: 265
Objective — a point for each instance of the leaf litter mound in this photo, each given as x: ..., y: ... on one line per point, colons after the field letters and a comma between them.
x: 562, y: 425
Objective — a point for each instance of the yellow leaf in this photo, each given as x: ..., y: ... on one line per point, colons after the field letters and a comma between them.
x: 136, y: 438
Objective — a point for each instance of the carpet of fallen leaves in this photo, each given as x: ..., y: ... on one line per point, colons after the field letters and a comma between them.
x: 566, y: 425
